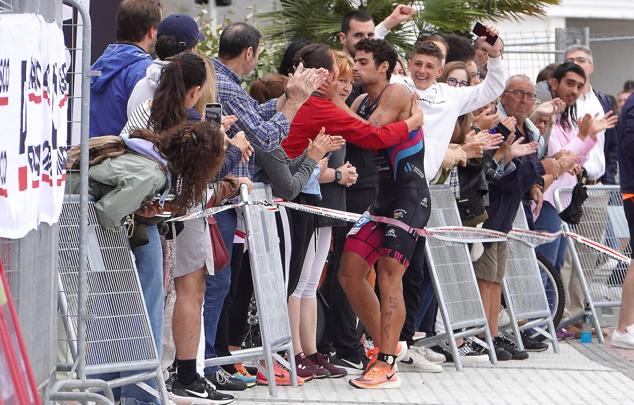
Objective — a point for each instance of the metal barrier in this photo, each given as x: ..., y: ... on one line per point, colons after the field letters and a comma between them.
x: 524, y: 290
x: 118, y: 333
x: 268, y: 286
x: 30, y: 265
x: 454, y: 280
x: 30, y: 262
x: 603, y: 221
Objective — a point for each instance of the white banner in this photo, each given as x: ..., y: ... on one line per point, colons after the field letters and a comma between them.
x: 33, y: 105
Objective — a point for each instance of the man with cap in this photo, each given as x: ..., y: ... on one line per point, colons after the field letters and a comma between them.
x: 176, y: 33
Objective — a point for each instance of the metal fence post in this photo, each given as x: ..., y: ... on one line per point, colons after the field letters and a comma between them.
x: 586, y: 36
x: 561, y: 38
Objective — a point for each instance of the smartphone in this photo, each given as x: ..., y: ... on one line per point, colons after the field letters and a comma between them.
x: 481, y: 31
x: 213, y: 112
x: 501, y: 129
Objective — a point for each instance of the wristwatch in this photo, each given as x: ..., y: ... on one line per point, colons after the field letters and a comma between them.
x: 338, y: 175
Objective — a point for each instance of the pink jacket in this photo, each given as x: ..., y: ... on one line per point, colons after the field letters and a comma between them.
x: 566, y: 139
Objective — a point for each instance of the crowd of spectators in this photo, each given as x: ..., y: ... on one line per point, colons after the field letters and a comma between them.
x: 319, y: 132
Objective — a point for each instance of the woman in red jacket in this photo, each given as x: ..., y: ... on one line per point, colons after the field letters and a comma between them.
x: 325, y: 110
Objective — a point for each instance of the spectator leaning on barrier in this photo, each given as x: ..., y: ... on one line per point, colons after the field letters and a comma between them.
x: 602, y: 160
x: 265, y: 126
x: 122, y: 65
x: 623, y: 336
x: 175, y: 34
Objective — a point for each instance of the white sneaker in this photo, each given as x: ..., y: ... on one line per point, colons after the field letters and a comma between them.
x: 430, y: 355
x: 417, y: 361
x: 624, y: 340
x: 402, y: 353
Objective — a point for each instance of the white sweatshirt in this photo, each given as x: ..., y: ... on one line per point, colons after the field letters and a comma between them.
x: 144, y: 89
x: 443, y: 104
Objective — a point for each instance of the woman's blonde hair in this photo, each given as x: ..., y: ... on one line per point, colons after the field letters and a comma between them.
x: 209, y: 88
x: 344, y: 64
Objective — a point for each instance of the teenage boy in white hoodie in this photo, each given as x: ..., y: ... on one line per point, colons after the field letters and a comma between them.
x: 443, y: 104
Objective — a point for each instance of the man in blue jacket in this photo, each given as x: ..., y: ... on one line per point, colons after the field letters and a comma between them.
x: 122, y: 65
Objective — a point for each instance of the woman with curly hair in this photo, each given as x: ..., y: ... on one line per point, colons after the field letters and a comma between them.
x: 180, y: 87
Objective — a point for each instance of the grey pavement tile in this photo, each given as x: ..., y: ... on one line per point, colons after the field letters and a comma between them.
x: 572, y: 377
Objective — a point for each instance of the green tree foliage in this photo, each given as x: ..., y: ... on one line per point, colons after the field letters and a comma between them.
x: 269, y: 50
x: 320, y: 20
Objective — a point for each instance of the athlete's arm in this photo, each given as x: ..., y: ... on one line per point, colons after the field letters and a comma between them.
x: 394, y: 106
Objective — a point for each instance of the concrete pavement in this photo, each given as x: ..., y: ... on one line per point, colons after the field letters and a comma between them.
x: 580, y: 374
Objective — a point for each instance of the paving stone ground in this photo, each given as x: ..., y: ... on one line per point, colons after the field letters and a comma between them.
x: 579, y: 374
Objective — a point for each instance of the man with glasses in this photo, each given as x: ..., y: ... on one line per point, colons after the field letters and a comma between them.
x: 602, y: 161
x: 523, y: 174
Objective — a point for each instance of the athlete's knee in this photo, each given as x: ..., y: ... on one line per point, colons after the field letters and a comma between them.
x: 390, y: 271
x: 351, y: 270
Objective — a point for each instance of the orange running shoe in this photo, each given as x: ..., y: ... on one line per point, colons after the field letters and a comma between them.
x: 372, y: 354
x: 377, y: 377
x: 282, y: 377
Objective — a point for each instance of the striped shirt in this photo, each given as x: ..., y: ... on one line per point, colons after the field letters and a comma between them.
x: 139, y: 119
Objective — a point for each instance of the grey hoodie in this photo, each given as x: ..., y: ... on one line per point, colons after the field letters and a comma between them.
x: 144, y: 89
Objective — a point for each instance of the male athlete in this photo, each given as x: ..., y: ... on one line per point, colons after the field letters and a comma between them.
x: 402, y: 202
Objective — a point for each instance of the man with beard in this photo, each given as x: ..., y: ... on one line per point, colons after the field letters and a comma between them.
x: 385, y: 235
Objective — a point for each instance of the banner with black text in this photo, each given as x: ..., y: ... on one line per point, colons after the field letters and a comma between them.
x: 33, y: 114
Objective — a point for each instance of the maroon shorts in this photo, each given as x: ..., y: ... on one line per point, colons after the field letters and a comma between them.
x: 367, y: 242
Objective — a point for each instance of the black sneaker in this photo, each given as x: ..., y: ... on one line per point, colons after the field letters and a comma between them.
x: 448, y: 355
x: 200, y: 392
x: 532, y: 344
x: 509, y: 346
x: 357, y: 363
x: 500, y: 353
x: 225, y: 381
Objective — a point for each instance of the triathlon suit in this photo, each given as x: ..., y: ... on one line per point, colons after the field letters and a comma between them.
x: 402, y: 194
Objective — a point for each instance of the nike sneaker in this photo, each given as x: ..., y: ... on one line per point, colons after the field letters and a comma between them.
x: 353, y: 365
x: 225, y: 381
x: 377, y: 377
x: 200, y: 392
x: 416, y: 360
x: 282, y: 377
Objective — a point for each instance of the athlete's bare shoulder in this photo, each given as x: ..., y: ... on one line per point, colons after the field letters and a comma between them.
x: 397, y: 96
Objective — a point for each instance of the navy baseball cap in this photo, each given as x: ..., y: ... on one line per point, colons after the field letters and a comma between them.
x: 183, y: 28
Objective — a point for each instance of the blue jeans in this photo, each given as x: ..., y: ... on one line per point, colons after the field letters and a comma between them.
x: 555, y: 251
x: 426, y: 315
x: 217, y: 287
x: 149, y: 264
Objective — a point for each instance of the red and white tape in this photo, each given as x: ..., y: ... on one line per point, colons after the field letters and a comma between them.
x: 458, y: 234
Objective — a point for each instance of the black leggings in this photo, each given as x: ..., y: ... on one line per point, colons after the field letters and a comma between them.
x: 233, y: 319
x: 302, y: 228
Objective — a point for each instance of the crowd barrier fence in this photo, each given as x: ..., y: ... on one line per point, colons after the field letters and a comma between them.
x: 118, y: 333
x: 523, y: 289
x: 269, y: 289
x: 454, y: 280
x: 603, y: 221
